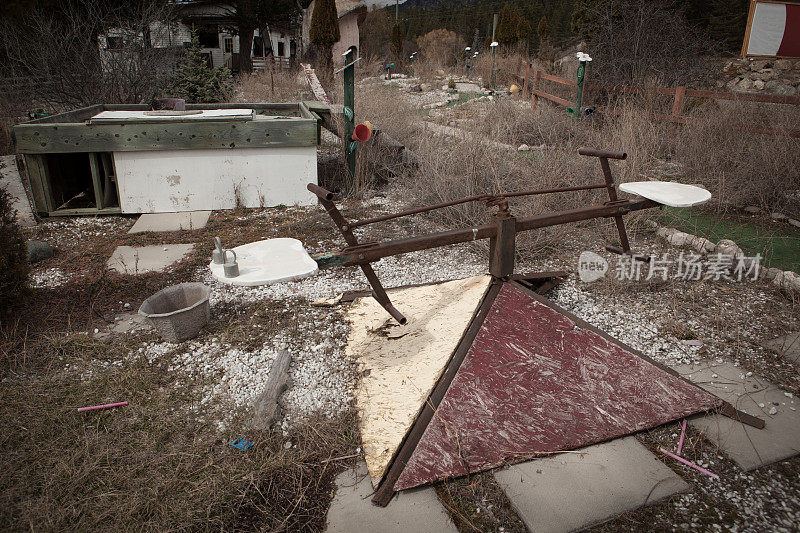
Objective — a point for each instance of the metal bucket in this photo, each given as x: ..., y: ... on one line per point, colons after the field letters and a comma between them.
x: 178, y: 312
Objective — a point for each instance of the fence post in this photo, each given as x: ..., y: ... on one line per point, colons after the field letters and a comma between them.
x: 680, y: 97
x: 536, y: 76
x: 525, y: 81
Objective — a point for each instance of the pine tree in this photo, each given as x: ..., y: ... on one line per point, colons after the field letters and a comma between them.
x: 323, y: 34
x: 727, y: 21
x: 512, y: 27
x: 195, y: 81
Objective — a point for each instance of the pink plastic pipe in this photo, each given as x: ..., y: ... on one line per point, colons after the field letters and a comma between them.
x: 690, y: 464
x: 106, y: 406
x: 683, y: 433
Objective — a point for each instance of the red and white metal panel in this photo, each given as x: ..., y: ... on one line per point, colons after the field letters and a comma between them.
x: 773, y: 30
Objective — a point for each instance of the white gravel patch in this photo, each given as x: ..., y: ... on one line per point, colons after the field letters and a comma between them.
x: 68, y: 231
x: 630, y: 324
x: 51, y: 277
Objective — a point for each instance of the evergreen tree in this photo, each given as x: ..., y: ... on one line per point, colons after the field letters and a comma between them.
x: 727, y: 21
x: 195, y: 81
x: 512, y: 27
x: 323, y: 34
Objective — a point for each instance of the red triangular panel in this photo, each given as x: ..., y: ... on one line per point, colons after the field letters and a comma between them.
x: 534, y: 381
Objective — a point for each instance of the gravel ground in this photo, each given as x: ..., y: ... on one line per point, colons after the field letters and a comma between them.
x: 49, y: 277
x: 64, y: 232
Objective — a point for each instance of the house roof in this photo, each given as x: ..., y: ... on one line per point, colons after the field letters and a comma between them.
x: 343, y: 7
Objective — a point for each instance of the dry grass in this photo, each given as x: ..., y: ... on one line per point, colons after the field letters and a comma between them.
x: 739, y: 167
x: 270, y: 86
x: 161, y: 462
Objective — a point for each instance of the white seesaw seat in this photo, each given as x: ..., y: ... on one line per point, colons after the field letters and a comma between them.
x: 667, y: 192
x: 266, y: 262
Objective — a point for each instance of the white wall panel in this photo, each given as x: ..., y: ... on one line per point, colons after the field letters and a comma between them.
x: 192, y: 180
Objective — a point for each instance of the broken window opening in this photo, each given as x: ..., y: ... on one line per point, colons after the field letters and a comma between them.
x: 82, y: 180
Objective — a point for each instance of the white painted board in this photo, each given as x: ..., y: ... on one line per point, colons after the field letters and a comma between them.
x: 767, y: 30
x: 165, y: 181
x: 667, y: 192
x: 267, y: 262
x: 143, y: 116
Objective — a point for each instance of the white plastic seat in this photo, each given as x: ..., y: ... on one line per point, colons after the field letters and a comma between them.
x: 266, y: 262
x: 667, y: 192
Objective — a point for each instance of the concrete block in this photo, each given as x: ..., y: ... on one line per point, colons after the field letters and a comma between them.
x: 11, y: 181
x: 749, y: 447
x: 570, y: 491
x: 352, y: 511
x: 135, y: 260
x: 788, y: 346
x: 187, y: 220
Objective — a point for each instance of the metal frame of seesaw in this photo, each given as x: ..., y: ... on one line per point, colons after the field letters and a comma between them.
x: 501, y: 234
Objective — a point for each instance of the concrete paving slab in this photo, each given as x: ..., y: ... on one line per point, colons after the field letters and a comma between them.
x: 123, y: 324
x: 155, y: 222
x: 466, y: 87
x: 11, y: 181
x: 135, y: 260
x: 352, y: 511
x: 788, y: 346
x: 571, y: 491
x: 749, y: 447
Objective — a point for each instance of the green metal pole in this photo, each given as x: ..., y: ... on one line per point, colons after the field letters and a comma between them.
x: 579, y: 94
x: 349, y: 113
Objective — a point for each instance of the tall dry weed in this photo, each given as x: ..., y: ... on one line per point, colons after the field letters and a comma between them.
x: 742, y: 167
x: 270, y: 86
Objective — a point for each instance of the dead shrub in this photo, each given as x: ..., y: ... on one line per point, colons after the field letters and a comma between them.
x: 508, y: 63
x: 442, y: 48
x: 272, y: 85
x: 742, y: 167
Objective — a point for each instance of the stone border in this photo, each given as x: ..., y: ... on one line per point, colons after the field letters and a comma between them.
x: 784, y: 279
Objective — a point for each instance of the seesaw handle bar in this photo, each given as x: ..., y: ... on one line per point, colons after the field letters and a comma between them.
x: 591, y: 152
x: 327, y: 195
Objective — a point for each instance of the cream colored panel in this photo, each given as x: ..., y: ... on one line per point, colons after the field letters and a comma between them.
x: 401, y: 364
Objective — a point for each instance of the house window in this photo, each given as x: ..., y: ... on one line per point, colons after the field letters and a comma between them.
x: 114, y: 43
x: 208, y: 37
x: 228, y: 45
x: 281, y: 48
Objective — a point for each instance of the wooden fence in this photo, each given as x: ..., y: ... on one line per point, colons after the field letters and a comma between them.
x: 679, y: 95
x: 266, y: 63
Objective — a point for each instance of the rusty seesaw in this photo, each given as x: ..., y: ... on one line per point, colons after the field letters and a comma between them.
x: 501, y: 234
x: 526, y: 377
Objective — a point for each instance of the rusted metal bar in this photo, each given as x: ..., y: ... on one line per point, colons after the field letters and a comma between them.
x: 378, y: 251
x: 476, y: 198
x: 321, y: 192
x: 501, y: 255
x: 591, y: 152
x: 612, y: 196
x: 731, y: 412
x: 379, y: 293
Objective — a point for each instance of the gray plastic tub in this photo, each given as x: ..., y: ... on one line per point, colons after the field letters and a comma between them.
x: 178, y: 312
